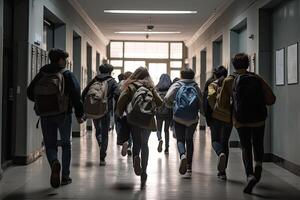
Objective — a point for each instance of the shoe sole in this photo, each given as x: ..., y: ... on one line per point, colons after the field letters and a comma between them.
x: 124, y: 149
x: 222, y: 163
x: 248, y: 189
x: 55, y: 175
x: 66, y: 183
x: 159, y: 148
x: 137, y: 166
x: 182, y: 168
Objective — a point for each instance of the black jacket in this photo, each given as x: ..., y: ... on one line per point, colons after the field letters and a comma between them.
x: 113, y: 89
x: 72, y: 87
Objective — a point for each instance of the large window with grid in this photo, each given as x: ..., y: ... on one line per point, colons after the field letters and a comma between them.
x: 129, y: 55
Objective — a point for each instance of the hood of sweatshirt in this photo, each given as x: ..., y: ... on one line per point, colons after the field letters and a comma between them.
x: 103, y: 77
x: 52, y: 68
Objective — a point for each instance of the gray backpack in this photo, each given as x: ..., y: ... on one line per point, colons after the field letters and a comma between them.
x: 49, y: 94
x: 96, y: 100
x: 141, y: 108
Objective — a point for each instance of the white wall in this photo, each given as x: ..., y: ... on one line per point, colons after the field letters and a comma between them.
x: 74, y: 22
x: 1, y: 71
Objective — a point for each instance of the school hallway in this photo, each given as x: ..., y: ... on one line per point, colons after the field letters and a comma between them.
x: 118, y: 181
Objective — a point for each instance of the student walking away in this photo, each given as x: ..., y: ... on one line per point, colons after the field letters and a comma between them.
x: 220, y: 124
x: 98, y: 104
x: 55, y: 91
x: 139, y: 99
x: 187, y: 99
x: 163, y: 113
x: 250, y: 95
x: 122, y: 126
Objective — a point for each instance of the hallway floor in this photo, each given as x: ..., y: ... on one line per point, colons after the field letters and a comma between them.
x: 117, y: 179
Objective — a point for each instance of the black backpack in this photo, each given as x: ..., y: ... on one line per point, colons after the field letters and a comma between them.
x: 248, y: 99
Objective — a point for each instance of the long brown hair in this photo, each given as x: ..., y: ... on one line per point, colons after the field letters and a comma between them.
x: 141, y: 75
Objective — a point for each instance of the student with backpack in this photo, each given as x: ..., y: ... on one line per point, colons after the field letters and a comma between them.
x: 250, y: 95
x: 186, y: 98
x: 220, y: 124
x: 55, y: 91
x: 163, y: 114
x: 98, y: 104
x: 139, y: 99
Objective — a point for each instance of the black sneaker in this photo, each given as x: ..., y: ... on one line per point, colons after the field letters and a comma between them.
x: 159, y: 148
x: 252, y: 181
x: 66, y: 181
x: 55, y: 174
x: 167, y: 151
x: 137, y: 165
x: 124, y: 149
x: 129, y: 152
x: 102, y: 162
x: 222, y: 176
x: 143, y: 180
x: 222, y: 162
x: 183, y: 163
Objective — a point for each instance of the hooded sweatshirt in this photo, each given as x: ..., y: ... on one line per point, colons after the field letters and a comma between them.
x: 72, y: 87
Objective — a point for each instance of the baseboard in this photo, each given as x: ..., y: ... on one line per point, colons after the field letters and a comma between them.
x: 25, y: 160
x: 202, y: 128
x: 78, y: 133
x: 234, y: 144
x: 291, y: 167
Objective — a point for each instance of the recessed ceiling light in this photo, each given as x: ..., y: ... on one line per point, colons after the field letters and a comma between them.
x: 147, y: 32
x: 157, y: 12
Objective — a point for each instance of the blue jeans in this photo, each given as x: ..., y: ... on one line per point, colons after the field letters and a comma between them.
x: 102, y: 129
x: 185, y: 140
x: 140, y: 139
x: 50, y: 127
x: 220, y: 134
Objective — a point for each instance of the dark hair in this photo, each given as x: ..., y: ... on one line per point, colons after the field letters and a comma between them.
x: 240, y: 61
x: 164, y: 82
x: 106, y: 68
x: 140, y: 74
x: 121, y: 77
x: 127, y: 75
x: 56, y: 54
x: 175, y: 80
x: 220, y: 71
x: 187, y: 73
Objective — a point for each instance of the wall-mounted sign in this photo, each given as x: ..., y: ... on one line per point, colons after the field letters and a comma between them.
x: 280, y: 67
x: 292, y: 64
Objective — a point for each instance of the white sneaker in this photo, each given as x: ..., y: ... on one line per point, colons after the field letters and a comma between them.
x: 124, y: 149
x: 182, y: 167
x: 222, y: 162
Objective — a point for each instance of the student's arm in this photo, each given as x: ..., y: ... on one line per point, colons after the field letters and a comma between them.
x: 200, y: 100
x: 115, y: 90
x: 30, y: 88
x: 123, y: 101
x: 75, y: 95
x: 157, y: 98
x: 170, y: 96
x: 270, y: 97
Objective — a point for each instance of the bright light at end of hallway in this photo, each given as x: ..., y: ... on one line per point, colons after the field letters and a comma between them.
x: 157, y: 12
x: 148, y: 32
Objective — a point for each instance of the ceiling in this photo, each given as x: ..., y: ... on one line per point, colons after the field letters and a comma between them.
x: 186, y: 24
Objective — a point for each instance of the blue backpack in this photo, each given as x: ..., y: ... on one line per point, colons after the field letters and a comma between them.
x: 186, y: 102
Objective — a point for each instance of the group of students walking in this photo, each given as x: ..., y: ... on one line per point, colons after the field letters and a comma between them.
x: 140, y: 108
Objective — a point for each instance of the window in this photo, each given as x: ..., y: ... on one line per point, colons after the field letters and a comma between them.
x: 116, y: 63
x: 176, y: 50
x: 116, y: 49
x: 116, y: 73
x: 176, y: 64
x: 146, y: 50
x: 175, y: 74
x: 133, y: 65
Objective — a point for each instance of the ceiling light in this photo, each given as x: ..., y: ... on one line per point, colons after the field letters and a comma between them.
x: 147, y: 32
x: 157, y: 12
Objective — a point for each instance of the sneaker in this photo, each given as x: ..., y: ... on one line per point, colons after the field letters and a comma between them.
x: 137, y: 165
x: 102, y: 162
x: 182, y: 167
x: 222, y: 162
x: 124, y: 149
x: 159, y: 148
x: 66, y: 181
x: 129, y: 152
x: 143, y: 180
x: 167, y: 151
x: 189, y: 174
x: 252, y: 181
x: 55, y: 174
x: 257, y: 172
x: 222, y: 176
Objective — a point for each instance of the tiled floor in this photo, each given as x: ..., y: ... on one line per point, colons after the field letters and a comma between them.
x: 117, y: 179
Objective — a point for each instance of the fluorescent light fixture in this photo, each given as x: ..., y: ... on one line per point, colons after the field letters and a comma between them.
x: 147, y: 32
x: 156, y: 12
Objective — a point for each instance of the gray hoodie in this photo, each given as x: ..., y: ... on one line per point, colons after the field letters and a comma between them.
x: 170, y: 98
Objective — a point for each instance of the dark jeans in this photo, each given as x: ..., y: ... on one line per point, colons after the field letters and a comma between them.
x: 118, y: 130
x: 185, y: 142
x: 50, y: 127
x: 252, y: 138
x: 102, y: 129
x: 140, y: 139
x: 220, y: 134
x: 160, y: 121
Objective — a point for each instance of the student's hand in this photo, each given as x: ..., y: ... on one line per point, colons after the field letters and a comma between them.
x: 80, y: 120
